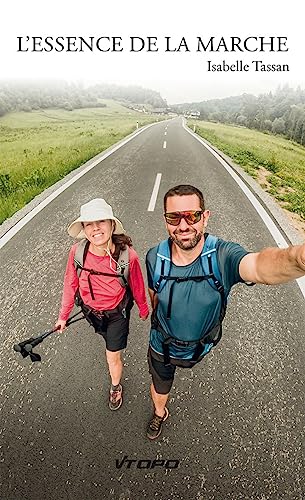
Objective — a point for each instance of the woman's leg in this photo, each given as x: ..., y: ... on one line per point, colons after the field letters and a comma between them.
x: 115, y: 366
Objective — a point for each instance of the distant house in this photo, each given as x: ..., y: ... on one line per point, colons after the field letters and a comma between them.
x: 160, y: 111
x: 191, y: 114
x: 194, y: 114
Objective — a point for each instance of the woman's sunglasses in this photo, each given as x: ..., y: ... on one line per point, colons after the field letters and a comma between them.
x: 190, y: 216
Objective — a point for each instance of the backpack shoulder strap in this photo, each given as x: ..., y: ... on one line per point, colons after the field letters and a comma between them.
x: 123, y: 266
x: 123, y: 261
x: 80, y: 255
x: 162, y: 265
x: 209, y: 262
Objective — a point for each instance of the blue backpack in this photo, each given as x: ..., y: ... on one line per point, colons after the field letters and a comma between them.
x: 210, y: 273
x: 208, y: 261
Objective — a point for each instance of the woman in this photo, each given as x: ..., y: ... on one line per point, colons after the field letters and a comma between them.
x: 105, y: 287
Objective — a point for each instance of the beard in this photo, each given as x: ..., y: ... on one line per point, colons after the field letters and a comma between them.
x: 186, y: 245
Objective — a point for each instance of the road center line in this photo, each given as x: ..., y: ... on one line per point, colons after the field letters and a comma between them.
x: 165, y: 133
x: 154, y: 194
x: 164, y: 145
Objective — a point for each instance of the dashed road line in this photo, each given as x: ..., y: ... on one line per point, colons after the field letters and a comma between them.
x: 154, y: 194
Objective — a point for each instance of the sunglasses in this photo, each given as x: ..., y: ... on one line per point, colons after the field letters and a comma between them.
x: 190, y: 216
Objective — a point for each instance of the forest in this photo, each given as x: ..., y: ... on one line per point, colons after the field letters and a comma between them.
x: 29, y: 96
x: 280, y: 112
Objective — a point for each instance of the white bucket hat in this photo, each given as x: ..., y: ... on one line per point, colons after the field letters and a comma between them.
x: 94, y: 210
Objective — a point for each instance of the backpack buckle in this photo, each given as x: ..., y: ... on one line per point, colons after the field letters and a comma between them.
x: 181, y: 343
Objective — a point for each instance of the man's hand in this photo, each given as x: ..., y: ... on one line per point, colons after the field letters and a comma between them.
x: 153, y: 298
x: 302, y: 256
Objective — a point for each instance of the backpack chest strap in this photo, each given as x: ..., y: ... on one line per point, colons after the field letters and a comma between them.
x: 100, y: 273
x: 177, y: 279
x: 213, y: 336
x: 122, y: 265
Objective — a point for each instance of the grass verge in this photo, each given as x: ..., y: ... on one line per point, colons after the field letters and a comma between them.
x: 41, y: 147
x: 276, y: 163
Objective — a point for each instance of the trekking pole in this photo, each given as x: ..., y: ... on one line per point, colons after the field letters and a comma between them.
x: 25, y: 348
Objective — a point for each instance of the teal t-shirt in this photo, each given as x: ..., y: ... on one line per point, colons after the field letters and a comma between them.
x: 195, y: 305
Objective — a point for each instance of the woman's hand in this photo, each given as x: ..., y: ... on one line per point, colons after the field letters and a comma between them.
x: 60, y: 325
x: 145, y: 316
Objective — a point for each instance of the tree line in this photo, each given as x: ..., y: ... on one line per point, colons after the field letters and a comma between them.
x: 281, y: 112
x: 28, y: 96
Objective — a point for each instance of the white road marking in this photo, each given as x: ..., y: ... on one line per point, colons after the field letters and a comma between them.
x: 165, y: 133
x: 164, y: 145
x: 20, y: 224
x: 271, y: 226
x: 154, y: 194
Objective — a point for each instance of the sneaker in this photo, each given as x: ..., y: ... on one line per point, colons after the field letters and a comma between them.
x: 115, y: 398
x: 154, y: 428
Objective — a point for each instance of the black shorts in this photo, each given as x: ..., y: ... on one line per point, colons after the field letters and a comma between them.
x: 114, y: 329
x: 162, y: 376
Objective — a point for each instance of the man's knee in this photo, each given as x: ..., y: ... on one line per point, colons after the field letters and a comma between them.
x: 162, y: 376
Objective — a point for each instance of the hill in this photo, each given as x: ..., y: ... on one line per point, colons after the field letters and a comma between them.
x: 282, y: 112
x: 30, y: 96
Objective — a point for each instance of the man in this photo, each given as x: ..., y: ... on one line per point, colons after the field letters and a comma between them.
x: 189, y: 278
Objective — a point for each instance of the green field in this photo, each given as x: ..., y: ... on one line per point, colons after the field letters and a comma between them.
x: 41, y: 147
x: 277, y: 163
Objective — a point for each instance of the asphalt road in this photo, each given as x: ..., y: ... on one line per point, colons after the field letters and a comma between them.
x: 236, y: 421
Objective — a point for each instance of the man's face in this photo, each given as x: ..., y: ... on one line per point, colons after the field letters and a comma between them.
x: 186, y: 236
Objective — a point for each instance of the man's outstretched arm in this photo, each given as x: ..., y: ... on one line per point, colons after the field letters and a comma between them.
x: 272, y: 266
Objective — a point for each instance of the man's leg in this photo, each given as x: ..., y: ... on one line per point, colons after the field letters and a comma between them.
x: 162, y: 380
x: 159, y: 401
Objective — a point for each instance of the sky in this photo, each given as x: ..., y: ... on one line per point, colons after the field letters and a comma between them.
x: 180, y: 76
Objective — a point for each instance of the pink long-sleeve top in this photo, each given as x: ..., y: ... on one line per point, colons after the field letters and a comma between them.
x: 107, y: 290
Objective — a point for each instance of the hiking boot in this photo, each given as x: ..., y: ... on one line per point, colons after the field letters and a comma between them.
x: 115, y: 398
x: 154, y: 428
